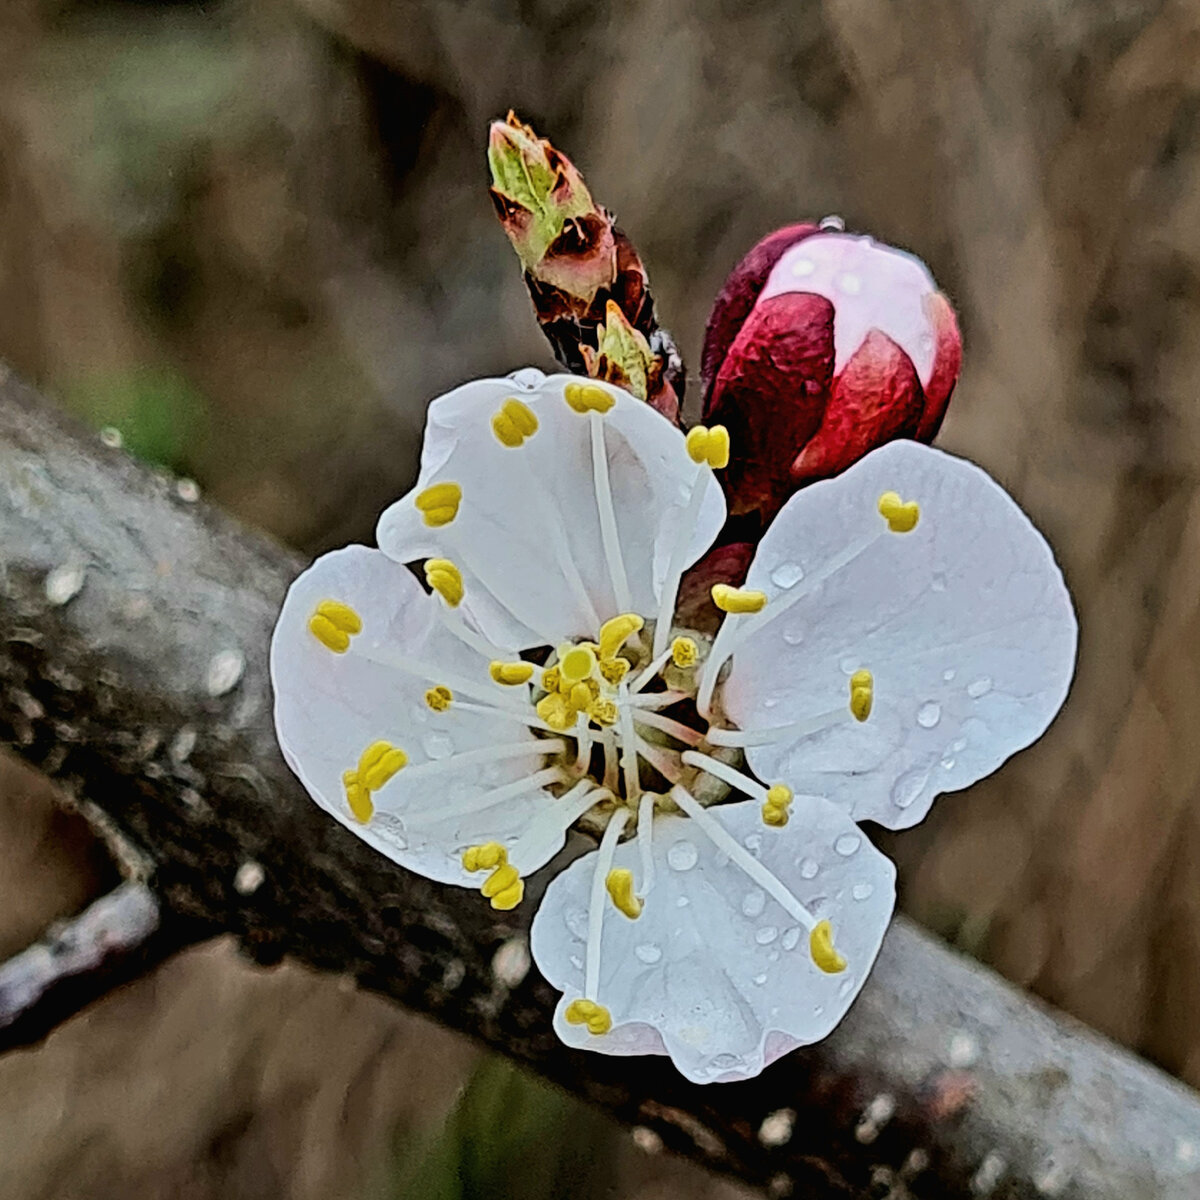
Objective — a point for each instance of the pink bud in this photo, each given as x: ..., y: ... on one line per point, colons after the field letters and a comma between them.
x: 823, y: 345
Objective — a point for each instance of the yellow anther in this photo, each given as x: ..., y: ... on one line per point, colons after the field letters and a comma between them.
x: 555, y: 711
x: 504, y: 886
x: 580, y: 696
x: 620, y: 888
x: 616, y: 631
x: 378, y: 763
x: 587, y: 397
x: 684, y: 652
x: 595, y: 1016
x: 513, y: 423
x: 357, y: 797
x: 333, y: 624
x: 511, y: 674
x: 439, y: 503
x: 577, y: 664
x: 710, y: 446
x: 614, y: 670
x: 551, y: 678
x: 439, y: 698
x: 775, y: 806
x: 603, y: 712
x: 445, y: 579
x: 738, y: 600
x: 820, y: 946
x: 862, y: 694
x: 901, y: 516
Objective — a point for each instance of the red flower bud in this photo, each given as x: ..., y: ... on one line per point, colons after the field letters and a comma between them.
x: 821, y: 346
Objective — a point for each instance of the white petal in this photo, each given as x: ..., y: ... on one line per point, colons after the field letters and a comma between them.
x: 965, y: 622
x: 526, y: 508
x: 715, y: 972
x: 330, y: 707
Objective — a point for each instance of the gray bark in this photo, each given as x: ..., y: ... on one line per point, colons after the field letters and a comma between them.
x: 134, y: 626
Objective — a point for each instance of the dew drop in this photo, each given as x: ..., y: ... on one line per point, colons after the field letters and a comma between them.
x: 832, y: 224
x: 938, y: 582
x: 773, y: 956
x: 682, y: 902
x: 809, y: 868
x: 849, y: 665
x: 753, y: 843
x: 862, y: 891
x: 929, y: 714
x: 648, y: 953
x: 437, y: 745
x: 577, y: 962
x: 753, y: 902
x: 908, y: 787
x: 802, y: 267
x: 787, y: 575
x: 948, y: 674
x: 770, y: 702
x: 577, y: 922
x: 790, y: 937
x: 760, y: 979
x: 850, y: 283
x: 948, y: 763
x: 766, y: 935
x: 793, y: 635
x: 980, y: 687
x: 847, y: 844
x: 846, y: 988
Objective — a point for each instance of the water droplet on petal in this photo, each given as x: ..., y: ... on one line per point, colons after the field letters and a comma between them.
x: 753, y: 843
x: 847, y: 844
x: 648, y: 953
x: 437, y: 745
x: 908, y: 787
x: 862, y: 891
x: 760, y: 979
x: 846, y: 988
x: 793, y: 635
x: 787, y: 575
x: 980, y: 687
x: 577, y: 962
x: 682, y: 856
x: 929, y: 714
x: 753, y: 902
x: 802, y: 267
x: 849, y: 665
x: 850, y: 283
x: 832, y: 224
x: 809, y: 868
x: 790, y: 937
x: 959, y: 745
x: 948, y: 674
x: 948, y: 764
x: 577, y: 922
x: 682, y: 902
x: 766, y: 935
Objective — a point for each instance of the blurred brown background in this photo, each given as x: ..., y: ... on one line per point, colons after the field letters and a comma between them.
x: 256, y: 239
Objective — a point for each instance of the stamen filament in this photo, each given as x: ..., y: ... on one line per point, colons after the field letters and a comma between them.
x: 486, y: 754
x: 608, y: 516
x: 583, y: 743
x: 478, y: 804
x: 675, y: 564
x: 453, y: 623
x: 507, y: 714
x: 741, y: 857
x: 434, y: 675
x: 665, y: 762
x: 724, y: 772
x: 656, y: 700
x: 660, y: 661
x: 562, y: 552
x: 645, y: 841
x: 628, y: 746
x: 735, y: 631
x: 676, y: 729
x: 779, y: 733
x: 598, y: 902
x: 554, y: 820
x: 612, y: 769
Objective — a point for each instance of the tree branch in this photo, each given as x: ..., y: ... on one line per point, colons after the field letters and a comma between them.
x: 134, y: 629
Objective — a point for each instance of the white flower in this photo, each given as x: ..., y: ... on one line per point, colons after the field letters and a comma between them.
x: 903, y: 630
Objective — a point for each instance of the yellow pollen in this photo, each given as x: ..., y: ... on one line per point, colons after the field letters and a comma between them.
x: 513, y: 422
x: 439, y: 698
x: 551, y: 678
x: 901, y: 516
x: 820, y: 946
x: 595, y: 1016
x: 378, y: 763
x: 684, y: 652
x: 862, y: 694
x: 616, y: 631
x: 577, y: 664
x: 555, y: 711
x: 738, y: 600
x: 504, y: 887
x: 709, y: 446
x: 333, y: 624
x: 357, y: 797
x: 614, y: 670
x: 510, y: 674
x: 775, y: 806
x: 445, y: 579
x: 603, y: 712
x: 620, y: 888
x: 439, y: 503
x: 588, y: 397
x: 580, y: 696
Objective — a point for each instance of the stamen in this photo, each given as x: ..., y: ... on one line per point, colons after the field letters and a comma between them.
x: 620, y: 888
x: 733, y: 634
x: 656, y: 700
x: 478, y: 804
x: 709, y: 446
x: 606, y: 512
x: 595, y: 1016
x: 820, y: 946
x: 513, y: 422
x: 556, y: 712
x: 741, y: 857
x: 775, y: 806
x: 333, y: 624
x: 376, y: 765
x: 537, y: 747
x: 613, y: 670
x: 862, y: 694
x: 724, y: 772
x: 510, y: 674
x: 738, y: 600
x: 553, y: 821
x: 612, y: 770
x: 434, y: 675
x: 628, y: 747
x: 588, y: 397
x: 439, y: 503
x: 665, y: 762
x: 684, y: 652
x: 603, y: 712
x: 439, y: 698
x: 792, y: 731
x: 445, y: 579
x: 660, y: 661
x: 901, y: 517
x: 520, y: 716
x: 504, y: 887
x: 577, y: 664
x: 583, y: 744
x: 604, y: 861
x: 616, y: 631
x: 645, y: 841
x: 676, y: 562
x: 676, y: 729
